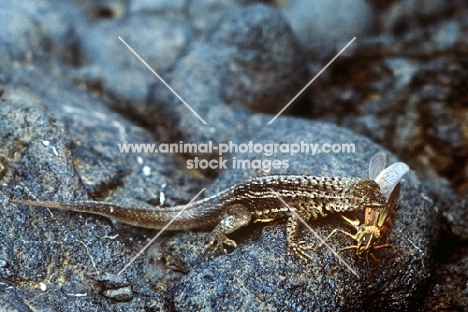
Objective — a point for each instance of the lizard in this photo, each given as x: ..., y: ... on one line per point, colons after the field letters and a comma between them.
x: 254, y: 200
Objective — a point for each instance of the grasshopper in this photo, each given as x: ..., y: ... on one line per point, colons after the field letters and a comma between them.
x: 376, y: 221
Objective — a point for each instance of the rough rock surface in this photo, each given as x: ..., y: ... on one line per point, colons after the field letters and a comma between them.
x: 261, y: 274
x: 322, y: 26
x: 71, y: 92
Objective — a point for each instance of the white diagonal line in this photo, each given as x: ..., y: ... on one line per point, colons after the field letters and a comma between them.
x: 162, y: 80
x: 315, y: 233
x: 160, y: 232
x: 313, y: 79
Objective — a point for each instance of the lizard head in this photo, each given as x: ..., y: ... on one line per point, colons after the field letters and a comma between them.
x: 367, y: 194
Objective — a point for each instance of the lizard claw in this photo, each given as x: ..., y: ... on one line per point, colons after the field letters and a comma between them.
x: 314, y: 249
x: 217, y: 242
x: 301, y: 250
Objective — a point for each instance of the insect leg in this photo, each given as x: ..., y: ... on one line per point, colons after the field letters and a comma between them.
x: 333, y: 233
x: 340, y: 250
x: 393, y: 251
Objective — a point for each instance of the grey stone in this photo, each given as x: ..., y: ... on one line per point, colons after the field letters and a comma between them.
x: 249, y: 59
x: 146, y: 6
x: 260, y: 273
x: 57, y: 150
x: 449, y: 289
x: 409, y: 98
x: 325, y: 27
x: 453, y: 208
x: 406, y: 12
x: 203, y: 13
x: 404, y: 88
x: 107, y: 62
x: 33, y: 32
x: 120, y: 294
x: 11, y: 302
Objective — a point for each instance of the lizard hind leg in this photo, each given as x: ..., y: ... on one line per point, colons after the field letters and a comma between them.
x: 299, y: 248
x: 235, y: 217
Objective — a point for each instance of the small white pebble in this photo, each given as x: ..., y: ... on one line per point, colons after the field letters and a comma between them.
x: 47, y: 144
x: 43, y: 286
x: 146, y: 171
x: 54, y: 150
x: 140, y: 160
x: 77, y: 295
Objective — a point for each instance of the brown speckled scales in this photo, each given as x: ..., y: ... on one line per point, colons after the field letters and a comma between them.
x: 254, y: 200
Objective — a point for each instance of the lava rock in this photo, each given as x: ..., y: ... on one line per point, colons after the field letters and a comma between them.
x: 409, y: 94
x: 323, y: 26
x: 261, y: 273
x: 249, y: 59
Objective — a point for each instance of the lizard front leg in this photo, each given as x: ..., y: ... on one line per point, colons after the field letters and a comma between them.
x: 233, y: 218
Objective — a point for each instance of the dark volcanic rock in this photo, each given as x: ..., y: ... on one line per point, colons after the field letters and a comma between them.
x: 259, y: 273
x: 109, y: 64
x: 322, y: 26
x: 50, y: 150
x: 71, y: 94
x: 450, y: 288
x: 453, y: 209
x: 409, y: 93
x: 33, y: 32
x: 249, y: 59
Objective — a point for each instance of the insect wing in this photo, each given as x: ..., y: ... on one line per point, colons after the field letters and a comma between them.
x: 390, y: 177
x: 378, y: 217
x: 389, y: 207
x: 376, y: 165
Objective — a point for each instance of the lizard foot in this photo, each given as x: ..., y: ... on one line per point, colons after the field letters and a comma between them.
x: 217, y: 242
x: 301, y: 250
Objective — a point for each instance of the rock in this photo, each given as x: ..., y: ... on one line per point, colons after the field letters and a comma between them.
x: 249, y: 59
x: 449, y: 289
x: 148, y: 6
x: 205, y: 13
x: 53, y: 149
x: 34, y: 32
x: 10, y: 301
x: 453, y: 208
x: 411, y: 105
x: 109, y: 64
x: 259, y: 273
x: 326, y: 27
x: 120, y: 294
x: 71, y: 94
x: 402, y: 13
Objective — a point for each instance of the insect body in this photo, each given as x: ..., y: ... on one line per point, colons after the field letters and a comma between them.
x: 369, y: 234
x: 376, y: 222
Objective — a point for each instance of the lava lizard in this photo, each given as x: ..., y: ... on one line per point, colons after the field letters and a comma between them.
x: 253, y: 200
